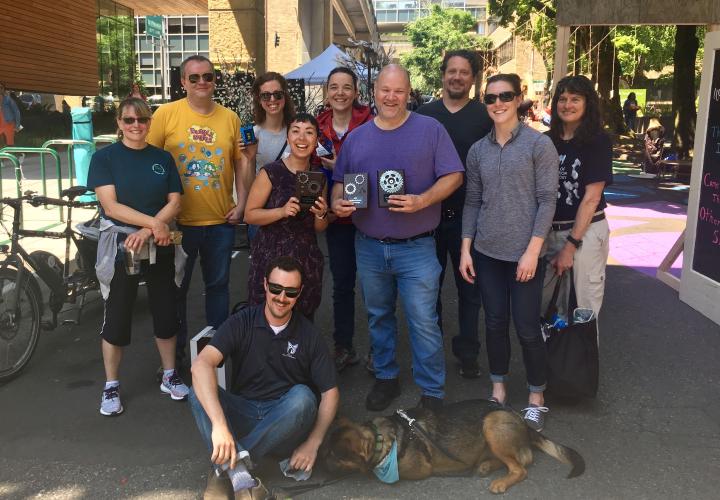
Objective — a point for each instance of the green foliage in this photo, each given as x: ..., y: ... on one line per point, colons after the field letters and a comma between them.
x: 432, y: 35
x: 643, y: 48
x: 115, y: 52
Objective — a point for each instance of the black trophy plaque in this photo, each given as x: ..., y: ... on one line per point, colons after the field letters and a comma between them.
x: 389, y: 182
x: 355, y: 189
x: 308, y: 187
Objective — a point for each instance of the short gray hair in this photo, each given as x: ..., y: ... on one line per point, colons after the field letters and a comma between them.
x: 197, y: 58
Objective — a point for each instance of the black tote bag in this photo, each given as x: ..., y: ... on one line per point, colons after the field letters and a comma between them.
x: 572, y: 352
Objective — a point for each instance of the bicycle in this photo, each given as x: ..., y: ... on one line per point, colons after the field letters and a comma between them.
x: 21, y: 298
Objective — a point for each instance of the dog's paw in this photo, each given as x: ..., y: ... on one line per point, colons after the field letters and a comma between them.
x: 485, y: 468
x: 498, y: 486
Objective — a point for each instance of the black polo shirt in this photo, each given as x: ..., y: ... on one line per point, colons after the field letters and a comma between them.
x: 264, y: 365
x: 465, y: 127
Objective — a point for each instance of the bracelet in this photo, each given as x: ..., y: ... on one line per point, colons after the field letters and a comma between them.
x: 574, y: 242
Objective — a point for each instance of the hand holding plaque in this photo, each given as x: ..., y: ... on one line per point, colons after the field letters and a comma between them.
x: 390, y: 182
x: 308, y: 187
x: 355, y: 189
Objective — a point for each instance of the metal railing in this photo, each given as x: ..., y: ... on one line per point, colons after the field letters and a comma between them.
x: 16, y: 164
x: 70, y: 143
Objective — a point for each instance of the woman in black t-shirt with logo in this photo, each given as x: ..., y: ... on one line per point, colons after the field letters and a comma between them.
x: 579, y: 238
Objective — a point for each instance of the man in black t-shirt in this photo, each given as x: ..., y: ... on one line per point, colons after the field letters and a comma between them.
x: 466, y: 121
x: 280, y: 363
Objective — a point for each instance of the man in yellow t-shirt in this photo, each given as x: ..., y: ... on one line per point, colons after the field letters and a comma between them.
x: 203, y: 137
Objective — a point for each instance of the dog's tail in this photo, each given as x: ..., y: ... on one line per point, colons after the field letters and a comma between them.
x: 559, y: 452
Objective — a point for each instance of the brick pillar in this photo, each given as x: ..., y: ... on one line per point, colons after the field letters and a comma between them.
x: 237, y: 31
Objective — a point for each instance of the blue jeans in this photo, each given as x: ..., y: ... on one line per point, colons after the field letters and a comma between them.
x: 214, y: 245
x: 501, y: 293
x: 341, y: 249
x: 412, y: 269
x: 275, y: 426
x: 465, y: 345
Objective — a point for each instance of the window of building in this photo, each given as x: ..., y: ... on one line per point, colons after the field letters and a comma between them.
x: 203, y: 43
x: 140, y: 24
x: 189, y: 24
x: 174, y: 25
x: 506, y: 52
x: 386, y: 5
x: 148, y: 77
x: 190, y: 44
x: 175, y: 42
x: 203, y: 25
x: 175, y: 59
x: 387, y: 16
x: 146, y: 60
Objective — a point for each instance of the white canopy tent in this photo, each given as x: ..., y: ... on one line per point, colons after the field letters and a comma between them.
x: 315, y: 72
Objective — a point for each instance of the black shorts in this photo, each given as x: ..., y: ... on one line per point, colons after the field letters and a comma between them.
x: 162, y: 298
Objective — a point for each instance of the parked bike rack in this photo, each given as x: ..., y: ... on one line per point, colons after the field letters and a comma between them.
x: 105, y: 139
x: 16, y: 163
x: 70, y: 143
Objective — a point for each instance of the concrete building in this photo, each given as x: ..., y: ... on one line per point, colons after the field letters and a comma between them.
x: 513, y: 54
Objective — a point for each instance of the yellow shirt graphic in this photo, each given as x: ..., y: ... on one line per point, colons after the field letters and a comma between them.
x: 205, y: 148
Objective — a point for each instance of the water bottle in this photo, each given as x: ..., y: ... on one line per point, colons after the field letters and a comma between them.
x: 558, y: 321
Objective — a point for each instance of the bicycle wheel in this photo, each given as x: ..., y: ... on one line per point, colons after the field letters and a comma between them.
x: 19, y: 325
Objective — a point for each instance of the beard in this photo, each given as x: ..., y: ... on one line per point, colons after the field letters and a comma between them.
x: 455, y: 94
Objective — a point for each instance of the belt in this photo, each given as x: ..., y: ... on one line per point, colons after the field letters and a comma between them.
x: 405, y: 240
x: 563, y: 226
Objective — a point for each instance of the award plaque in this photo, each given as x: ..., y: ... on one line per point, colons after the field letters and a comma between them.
x: 248, y: 134
x: 389, y: 182
x: 324, y: 148
x: 308, y: 187
x: 355, y: 189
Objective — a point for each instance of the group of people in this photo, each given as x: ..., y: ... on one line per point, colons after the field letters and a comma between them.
x: 510, y: 206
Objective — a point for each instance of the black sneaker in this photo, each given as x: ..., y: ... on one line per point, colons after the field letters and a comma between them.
x: 431, y: 403
x: 534, y: 416
x: 345, y: 357
x: 469, y: 368
x: 382, y: 394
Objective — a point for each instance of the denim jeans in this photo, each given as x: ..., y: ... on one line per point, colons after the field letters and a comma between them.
x: 501, y: 294
x: 341, y: 249
x: 412, y: 269
x: 275, y: 426
x: 214, y: 245
x: 466, y: 344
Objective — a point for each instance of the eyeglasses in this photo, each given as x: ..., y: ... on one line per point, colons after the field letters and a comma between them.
x: 207, y: 77
x: 504, y: 97
x: 277, y: 95
x: 143, y: 120
x: 290, y: 292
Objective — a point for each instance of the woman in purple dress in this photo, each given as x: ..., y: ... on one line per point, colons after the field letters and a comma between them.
x: 285, y: 228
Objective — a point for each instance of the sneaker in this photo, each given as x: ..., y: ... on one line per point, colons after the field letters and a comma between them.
x: 382, y: 394
x: 110, y: 404
x: 534, y: 417
x: 469, y: 368
x: 218, y: 487
x: 430, y: 403
x: 345, y: 357
x: 174, y: 386
x: 369, y: 366
x: 258, y: 492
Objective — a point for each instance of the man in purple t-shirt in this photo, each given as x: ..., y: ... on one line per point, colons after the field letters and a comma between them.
x: 394, y: 246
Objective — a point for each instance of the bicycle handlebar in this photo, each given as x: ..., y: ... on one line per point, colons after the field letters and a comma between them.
x: 36, y: 201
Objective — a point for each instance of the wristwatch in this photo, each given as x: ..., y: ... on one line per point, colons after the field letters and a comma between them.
x: 576, y: 243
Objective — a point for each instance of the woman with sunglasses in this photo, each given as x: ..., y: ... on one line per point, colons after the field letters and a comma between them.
x: 284, y: 227
x: 139, y: 190
x: 343, y: 114
x: 510, y: 200
x: 580, y: 236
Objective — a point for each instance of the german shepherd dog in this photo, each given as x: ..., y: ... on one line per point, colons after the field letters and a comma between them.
x: 476, y: 436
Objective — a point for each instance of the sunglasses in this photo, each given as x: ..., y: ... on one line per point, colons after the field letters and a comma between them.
x: 277, y: 95
x: 504, y: 97
x: 290, y: 292
x: 143, y: 120
x: 207, y: 77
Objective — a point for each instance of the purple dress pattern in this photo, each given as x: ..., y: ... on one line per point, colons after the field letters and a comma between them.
x: 292, y: 236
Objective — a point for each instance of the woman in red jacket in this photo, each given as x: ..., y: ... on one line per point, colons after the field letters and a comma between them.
x: 344, y: 114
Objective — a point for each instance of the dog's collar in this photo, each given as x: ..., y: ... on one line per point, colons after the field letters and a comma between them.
x: 379, y: 440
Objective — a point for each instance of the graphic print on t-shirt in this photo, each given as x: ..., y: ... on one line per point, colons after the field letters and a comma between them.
x: 201, y: 165
x: 569, y: 181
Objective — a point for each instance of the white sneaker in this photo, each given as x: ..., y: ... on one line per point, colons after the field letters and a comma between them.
x: 110, y: 404
x: 174, y: 386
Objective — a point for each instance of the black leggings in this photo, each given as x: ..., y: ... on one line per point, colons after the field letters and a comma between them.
x: 162, y: 298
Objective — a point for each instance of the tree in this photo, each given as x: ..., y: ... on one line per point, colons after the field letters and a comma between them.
x: 683, y: 109
x: 643, y: 48
x: 432, y: 35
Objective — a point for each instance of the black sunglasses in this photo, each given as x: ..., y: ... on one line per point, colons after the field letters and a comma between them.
x: 127, y: 120
x: 504, y: 97
x: 207, y: 77
x: 290, y: 292
x: 277, y: 95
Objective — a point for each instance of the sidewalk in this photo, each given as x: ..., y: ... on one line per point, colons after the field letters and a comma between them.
x: 652, y: 433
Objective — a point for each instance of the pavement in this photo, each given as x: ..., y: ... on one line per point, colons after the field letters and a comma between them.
x: 652, y: 432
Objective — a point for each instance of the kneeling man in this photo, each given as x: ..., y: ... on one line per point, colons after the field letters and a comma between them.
x: 280, y: 364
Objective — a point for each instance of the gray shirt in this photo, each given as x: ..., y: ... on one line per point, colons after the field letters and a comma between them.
x: 269, y: 146
x: 511, y: 192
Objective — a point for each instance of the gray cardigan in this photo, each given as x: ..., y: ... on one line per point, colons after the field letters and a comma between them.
x: 511, y: 192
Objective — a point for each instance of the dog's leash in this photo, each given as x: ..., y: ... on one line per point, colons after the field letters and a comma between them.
x: 417, y: 429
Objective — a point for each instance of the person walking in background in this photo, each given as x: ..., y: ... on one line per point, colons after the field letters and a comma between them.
x: 139, y: 190
x: 285, y: 228
x: 204, y: 139
x: 394, y: 245
x: 630, y: 109
x: 580, y: 236
x: 136, y: 92
x: 342, y: 116
x: 466, y: 121
x: 9, y: 117
x: 512, y: 180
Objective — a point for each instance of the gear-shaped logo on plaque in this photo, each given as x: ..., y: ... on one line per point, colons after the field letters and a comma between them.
x: 391, y: 181
x: 303, y: 178
x: 350, y: 189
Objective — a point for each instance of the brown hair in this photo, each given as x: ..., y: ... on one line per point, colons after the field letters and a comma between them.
x: 258, y: 111
x: 142, y: 110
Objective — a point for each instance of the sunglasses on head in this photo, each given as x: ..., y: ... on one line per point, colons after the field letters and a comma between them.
x: 277, y: 95
x: 128, y: 120
x: 207, y: 77
x: 504, y: 97
x: 290, y: 291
